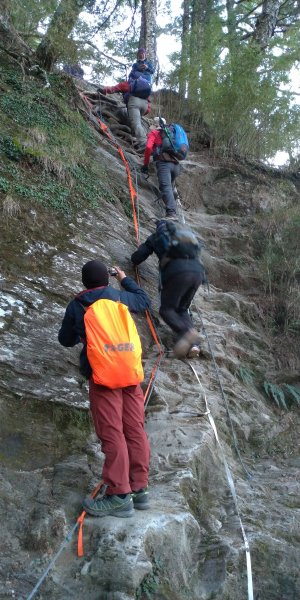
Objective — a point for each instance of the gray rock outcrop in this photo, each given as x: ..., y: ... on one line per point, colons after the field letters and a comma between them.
x: 189, y: 545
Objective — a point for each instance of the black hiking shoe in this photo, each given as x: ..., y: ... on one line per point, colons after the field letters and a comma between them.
x: 109, y: 505
x: 141, y: 499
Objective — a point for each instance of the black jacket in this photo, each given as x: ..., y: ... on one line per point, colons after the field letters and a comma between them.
x: 174, y: 266
x: 72, y: 329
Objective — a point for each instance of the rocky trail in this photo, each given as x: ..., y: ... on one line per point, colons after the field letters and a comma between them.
x: 188, y: 546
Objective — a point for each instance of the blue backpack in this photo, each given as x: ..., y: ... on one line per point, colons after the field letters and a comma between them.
x: 175, y: 141
x: 140, y: 87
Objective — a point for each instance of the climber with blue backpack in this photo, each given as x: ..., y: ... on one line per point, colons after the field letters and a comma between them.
x: 181, y: 274
x: 168, y: 145
x: 136, y: 95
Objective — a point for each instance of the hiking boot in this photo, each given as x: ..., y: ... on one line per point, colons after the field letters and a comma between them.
x: 193, y: 352
x: 109, y: 505
x: 189, y: 339
x: 141, y: 499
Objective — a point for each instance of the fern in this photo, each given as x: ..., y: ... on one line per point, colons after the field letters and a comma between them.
x: 245, y: 375
x: 293, y: 392
x: 274, y: 392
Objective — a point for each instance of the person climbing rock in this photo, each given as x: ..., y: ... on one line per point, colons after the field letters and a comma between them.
x: 142, y: 65
x: 136, y: 94
x: 167, y: 166
x: 99, y: 317
x: 181, y: 274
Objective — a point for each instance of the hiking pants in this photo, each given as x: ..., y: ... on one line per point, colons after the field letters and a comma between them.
x: 118, y: 417
x: 176, y: 296
x: 136, y: 108
x: 166, y: 174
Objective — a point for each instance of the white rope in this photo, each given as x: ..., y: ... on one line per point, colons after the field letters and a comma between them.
x: 231, y: 487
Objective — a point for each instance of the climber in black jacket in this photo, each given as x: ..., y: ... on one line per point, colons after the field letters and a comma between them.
x: 179, y: 281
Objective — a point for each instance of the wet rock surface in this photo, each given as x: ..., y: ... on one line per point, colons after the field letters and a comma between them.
x: 188, y: 546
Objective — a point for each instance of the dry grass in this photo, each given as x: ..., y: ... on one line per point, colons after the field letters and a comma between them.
x: 10, y: 208
x: 51, y: 165
x: 37, y: 136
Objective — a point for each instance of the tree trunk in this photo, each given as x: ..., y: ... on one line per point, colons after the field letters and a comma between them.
x: 266, y: 22
x: 232, y: 40
x: 200, y: 60
x: 195, y: 49
x: 60, y: 27
x: 10, y: 41
x: 148, y: 28
x: 184, y: 58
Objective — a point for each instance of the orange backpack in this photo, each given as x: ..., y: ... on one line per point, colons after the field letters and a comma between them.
x: 114, y: 348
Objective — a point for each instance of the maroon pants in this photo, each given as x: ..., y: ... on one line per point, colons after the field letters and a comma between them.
x: 118, y: 417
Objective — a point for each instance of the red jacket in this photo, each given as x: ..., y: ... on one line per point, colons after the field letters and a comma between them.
x: 154, y: 140
x: 123, y: 87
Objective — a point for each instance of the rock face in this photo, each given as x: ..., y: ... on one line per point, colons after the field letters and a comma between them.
x: 189, y: 545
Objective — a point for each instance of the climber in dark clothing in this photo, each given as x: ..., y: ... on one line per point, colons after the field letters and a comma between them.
x: 179, y: 280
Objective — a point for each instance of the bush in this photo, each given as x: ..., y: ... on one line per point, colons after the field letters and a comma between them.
x: 284, y: 396
x: 277, y: 248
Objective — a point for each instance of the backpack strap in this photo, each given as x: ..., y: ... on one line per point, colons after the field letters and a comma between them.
x: 82, y: 306
x: 164, y: 155
x: 167, y: 133
x: 165, y: 259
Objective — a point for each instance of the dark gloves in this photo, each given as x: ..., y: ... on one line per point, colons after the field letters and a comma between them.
x: 145, y: 170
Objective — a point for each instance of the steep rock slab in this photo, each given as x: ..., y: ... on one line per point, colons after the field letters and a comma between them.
x: 188, y: 546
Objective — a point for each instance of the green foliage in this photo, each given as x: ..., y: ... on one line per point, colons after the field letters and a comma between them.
x: 109, y: 20
x: 65, y: 417
x: 293, y: 392
x: 283, y: 396
x: 4, y: 185
x: 238, y: 86
x: 31, y: 110
x: 274, y: 392
x: 151, y: 583
x: 28, y: 16
x: 127, y: 206
x: 244, y: 110
x: 276, y: 238
x: 41, y: 133
x: 245, y: 375
x: 11, y: 147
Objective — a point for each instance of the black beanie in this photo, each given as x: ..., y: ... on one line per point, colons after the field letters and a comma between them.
x: 94, y: 274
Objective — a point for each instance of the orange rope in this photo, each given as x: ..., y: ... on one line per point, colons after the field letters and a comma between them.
x: 133, y: 194
x: 80, y: 520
